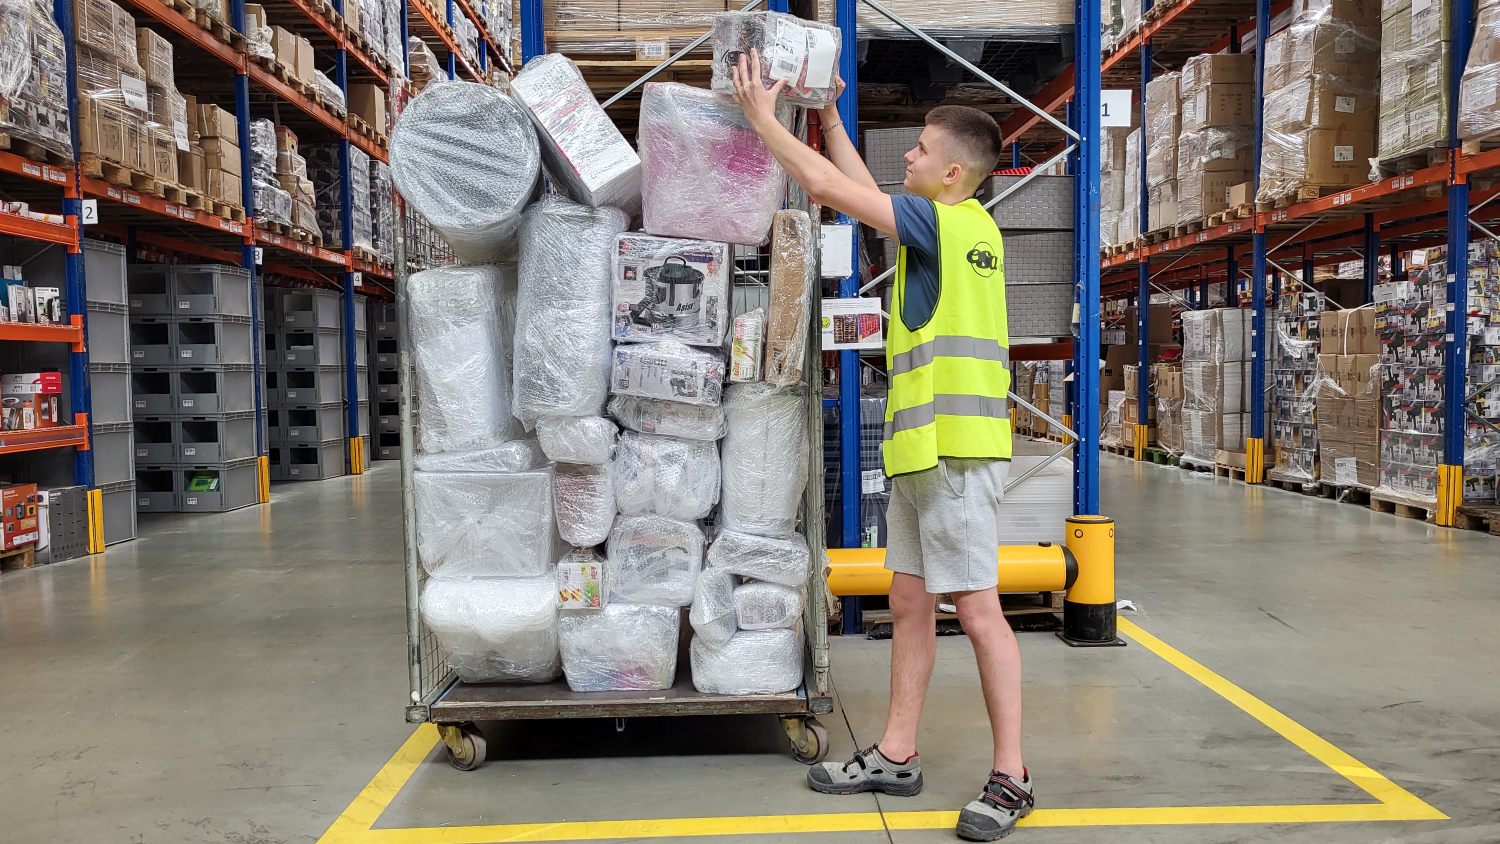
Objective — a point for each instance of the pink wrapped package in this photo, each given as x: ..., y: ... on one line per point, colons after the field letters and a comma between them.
x: 705, y: 173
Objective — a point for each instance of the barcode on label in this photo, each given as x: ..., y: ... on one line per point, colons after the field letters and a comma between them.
x: 1343, y: 153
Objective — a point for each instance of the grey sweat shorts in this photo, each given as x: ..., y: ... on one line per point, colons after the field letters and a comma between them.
x: 942, y: 524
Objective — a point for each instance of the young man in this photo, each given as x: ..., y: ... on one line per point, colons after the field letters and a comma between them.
x: 947, y: 431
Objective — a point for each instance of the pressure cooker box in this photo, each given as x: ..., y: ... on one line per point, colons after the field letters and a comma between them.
x: 669, y: 288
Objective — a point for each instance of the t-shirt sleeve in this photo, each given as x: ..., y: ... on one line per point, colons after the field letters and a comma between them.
x: 916, y: 229
x: 916, y: 223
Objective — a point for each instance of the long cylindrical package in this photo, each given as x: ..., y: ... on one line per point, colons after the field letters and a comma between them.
x: 783, y: 561
x: 461, y: 324
x: 589, y: 440
x: 668, y: 371
x: 495, y: 630
x: 654, y: 560
x: 763, y: 606
x: 466, y: 157
x: 665, y: 476
x: 485, y: 524
x: 805, y: 53
x: 754, y: 662
x: 668, y: 418
x: 562, y: 311
x: 584, y: 499
x: 513, y: 456
x: 622, y: 647
x: 765, y: 459
x: 582, y: 149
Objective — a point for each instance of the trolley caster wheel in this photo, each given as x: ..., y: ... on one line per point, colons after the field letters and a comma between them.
x: 809, y: 739
x: 465, y: 744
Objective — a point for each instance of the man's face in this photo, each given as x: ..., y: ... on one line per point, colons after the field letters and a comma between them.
x: 928, y: 166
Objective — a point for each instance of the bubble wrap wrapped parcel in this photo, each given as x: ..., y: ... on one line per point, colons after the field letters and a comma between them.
x: 623, y: 647
x: 495, y: 630
x: 466, y: 156
x: 577, y: 439
x: 713, y: 611
x: 654, y: 560
x: 671, y: 288
x: 765, y: 458
x: 583, y: 151
x: 783, y: 561
x: 805, y: 53
x: 584, y: 499
x: 513, y: 456
x: 754, y: 662
x: 482, y: 524
x: 668, y: 371
x: 665, y: 476
x: 762, y: 606
x: 668, y: 418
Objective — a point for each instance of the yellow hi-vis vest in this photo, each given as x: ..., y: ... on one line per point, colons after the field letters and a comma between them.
x: 949, y: 378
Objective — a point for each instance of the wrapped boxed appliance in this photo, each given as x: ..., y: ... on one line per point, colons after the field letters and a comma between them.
x: 668, y: 371
x: 484, y: 524
x: 495, y: 630
x: 623, y: 647
x: 805, y: 53
x: 461, y: 322
x: 783, y: 561
x: 665, y: 476
x: 713, y: 611
x: 466, y: 157
x: 765, y: 459
x: 705, y: 174
x: 654, y: 560
x: 792, y: 270
x: 513, y: 456
x: 764, y: 606
x: 588, y: 440
x: 669, y: 418
x: 584, y: 499
x: 581, y: 583
x: 581, y: 148
x: 671, y: 289
x: 753, y: 662
x: 562, y: 349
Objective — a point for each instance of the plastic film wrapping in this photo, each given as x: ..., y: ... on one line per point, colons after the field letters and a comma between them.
x: 1413, y: 99
x: 713, y: 611
x: 766, y: 606
x: 705, y: 174
x: 783, y: 561
x: 668, y: 371
x: 671, y: 289
x: 1478, y: 112
x: 587, y: 440
x: 1022, y: 20
x: 793, y: 272
x: 331, y: 93
x: 1163, y: 125
x: 478, y: 524
x: 372, y: 27
x: 584, y: 500
x: 669, y: 418
x: 754, y: 662
x: 466, y: 157
x: 765, y: 459
x: 460, y: 323
x: 494, y: 630
x: 582, y: 580
x: 1210, y: 162
x: 563, y: 322
x: 664, y: 476
x: 803, y: 52
x: 271, y: 202
x: 34, y: 76
x: 623, y: 647
x: 514, y: 456
x: 583, y: 151
x: 654, y: 560
x: 640, y: 29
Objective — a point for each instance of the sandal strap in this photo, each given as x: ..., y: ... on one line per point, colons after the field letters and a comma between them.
x: 1008, y: 797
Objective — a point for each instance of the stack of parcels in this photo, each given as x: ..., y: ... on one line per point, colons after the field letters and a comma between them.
x: 1018, y: 21
x: 1047, y: 386
x: 291, y: 176
x: 323, y: 170
x: 1478, y: 105
x: 1216, y: 405
x: 272, y: 202
x: 1321, y: 83
x: 1216, y: 149
x: 1348, y: 389
x: 1022, y: 376
x: 382, y: 211
x: 1169, y: 397
x: 1131, y: 412
x: 1113, y: 418
x: 258, y: 36
x: 1415, y: 51
x: 1295, y: 386
x: 128, y: 114
x: 1115, y: 178
x: 1481, y: 441
x: 1162, y: 130
x: 1411, y: 320
x: 34, y: 76
x: 216, y: 156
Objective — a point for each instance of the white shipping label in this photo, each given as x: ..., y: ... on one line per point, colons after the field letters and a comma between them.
x: 1343, y: 153
x: 1345, y: 471
x: 135, y: 92
x: 789, y: 52
x: 180, y: 134
x: 1419, y: 6
x: 1477, y: 96
x: 1343, y: 45
x: 821, y: 54
x: 872, y: 481
x: 1343, y: 105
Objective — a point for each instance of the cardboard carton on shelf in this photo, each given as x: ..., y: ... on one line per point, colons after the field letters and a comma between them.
x: 367, y: 102
x: 217, y: 122
x: 20, y: 515
x: 305, y: 61
x: 191, y: 169
x: 284, y: 48
x: 1241, y: 194
x: 226, y: 188
x: 1220, y: 104
x: 222, y: 154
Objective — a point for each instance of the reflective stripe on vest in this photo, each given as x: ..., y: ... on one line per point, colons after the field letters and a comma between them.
x: 916, y: 417
x: 948, y: 346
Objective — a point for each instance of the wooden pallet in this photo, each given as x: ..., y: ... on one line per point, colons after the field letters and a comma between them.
x: 1413, y: 161
x: 1306, y: 193
x: 18, y: 558
x: 226, y: 210
x: 1483, y: 517
x: 370, y: 257
x: 1231, y: 472
x: 877, y: 622
x: 1229, y: 215
x: 1474, y: 146
x: 121, y: 176
x: 183, y: 195
x: 1402, y: 509
x: 1346, y: 494
x: 34, y: 152
x: 1122, y: 449
x: 293, y: 232
x: 359, y: 125
x: 1302, y: 487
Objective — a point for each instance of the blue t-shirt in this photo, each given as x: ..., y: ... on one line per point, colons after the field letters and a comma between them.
x: 917, y: 230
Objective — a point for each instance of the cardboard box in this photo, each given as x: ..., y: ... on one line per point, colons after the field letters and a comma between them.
x: 1332, y: 326
x: 192, y: 170
x: 786, y: 324
x: 1201, y: 193
x: 284, y: 47
x: 286, y: 140
x: 163, y: 154
x: 1241, y: 194
x: 255, y: 16
x: 1133, y: 412
x: 1220, y: 104
x: 1217, y: 69
x: 101, y: 130
x: 30, y: 411
x: 155, y: 56
x: 305, y: 60
x: 225, y: 187
x: 21, y: 383
x: 222, y: 154
x: 1359, y: 332
x: 368, y: 103
x: 1364, y: 14
x: 1160, y: 328
x: 20, y: 515
x: 216, y: 122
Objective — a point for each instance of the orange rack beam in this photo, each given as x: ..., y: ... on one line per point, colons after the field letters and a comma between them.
x: 63, y: 436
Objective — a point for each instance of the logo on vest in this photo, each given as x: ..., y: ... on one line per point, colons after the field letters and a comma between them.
x: 984, y: 261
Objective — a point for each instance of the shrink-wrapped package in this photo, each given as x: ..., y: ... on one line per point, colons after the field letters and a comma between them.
x: 783, y: 561
x: 562, y: 321
x: 805, y: 53
x: 762, y: 606
x: 581, y: 148
x: 668, y: 418
x: 513, y: 456
x: 1163, y: 125
x: 466, y: 157
x: 584, y: 500
x: 665, y: 476
x: 669, y: 371
x: 765, y: 459
x: 485, y: 524
x: 582, y: 580
x: 461, y: 320
x: 271, y: 202
x: 713, y: 612
x: 671, y: 289
x: 588, y: 440
x: 792, y: 274
x: 654, y: 560
x: 1478, y: 111
x: 754, y: 662
x: 34, y: 75
x: 495, y: 630
x: 705, y: 174
x: 622, y: 647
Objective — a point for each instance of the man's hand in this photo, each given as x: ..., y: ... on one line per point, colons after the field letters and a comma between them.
x: 758, y: 101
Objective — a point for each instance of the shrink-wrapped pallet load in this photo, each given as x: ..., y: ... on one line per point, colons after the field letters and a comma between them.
x: 753, y: 662
x: 485, y: 524
x: 581, y: 148
x: 1478, y: 105
x: 623, y: 647
x: 495, y: 630
x: 765, y: 459
x: 654, y: 560
x: 805, y: 53
x: 666, y: 476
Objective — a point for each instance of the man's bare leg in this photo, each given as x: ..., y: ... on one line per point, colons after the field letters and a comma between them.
x: 999, y: 658
x: 913, y: 651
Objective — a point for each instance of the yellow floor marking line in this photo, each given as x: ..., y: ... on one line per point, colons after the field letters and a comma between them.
x: 1396, y: 803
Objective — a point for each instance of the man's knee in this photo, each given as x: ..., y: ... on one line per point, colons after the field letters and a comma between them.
x: 909, y: 597
x: 979, y: 611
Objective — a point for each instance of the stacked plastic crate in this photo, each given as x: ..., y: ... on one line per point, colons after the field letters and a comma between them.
x: 193, y: 387
x: 305, y: 384
x: 385, y: 388
x: 112, y: 431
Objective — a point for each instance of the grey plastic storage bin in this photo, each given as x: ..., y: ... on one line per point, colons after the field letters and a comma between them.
x: 310, y: 347
x: 362, y: 384
x: 110, y: 387
x: 150, y: 289
x: 311, y: 386
x: 113, y: 446
x: 382, y: 321
x: 68, y: 522
x: 205, y: 441
x: 156, y: 489
x: 1045, y: 202
x: 120, y: 506
x: 361, y: 312
x: 233, y: 486
x: 312, y: 462
x: 364, y: 421
x: 212, y: 341
x: 211, y: 290
x: 151, y: 341
x: 155, y: 442
x: 152, y: 392
x: 387, y: 446
x: 104, y: 272
x: 108, y: 333
x: 387, y: 384
x: 215, y: 389
x: 311, y: 424
x: 361, y: 352
x: 310, y: 309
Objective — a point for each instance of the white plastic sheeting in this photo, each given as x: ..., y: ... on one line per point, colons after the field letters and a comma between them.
x: 713, y: 612
x: 765, y: 458
x: 622, y: 647
x: 577, y: 439
x: 763, y: 606
x: 783, y: 561
x: 665, y: 476
x: 754, y: 662
x: 513, y: 456
x: 584, y: 500
x: 481, y: 524
x: 495, y: 630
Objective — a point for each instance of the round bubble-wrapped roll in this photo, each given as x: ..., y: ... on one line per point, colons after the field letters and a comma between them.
x: 513, y: 456
x: 495, y: 630
x: 485, y: 524
x: 461, y: 321
x: 623, y: 647
x: 665, y: 476
x: 765, y: 458
x: 763, y: 606
x: 668, y: 418
x: 584, y: 500
x: 563, y: 326
x: 783, y: 561
x: 577, y: 439
x: 654, y: 560
x: 713, y: 612
x: 754, y: 662
x: 466, y: 157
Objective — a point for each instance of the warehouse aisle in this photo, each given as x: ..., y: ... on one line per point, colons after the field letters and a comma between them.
x: 238, y: 678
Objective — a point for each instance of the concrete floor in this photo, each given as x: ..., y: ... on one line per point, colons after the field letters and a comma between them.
x: 239, y: 678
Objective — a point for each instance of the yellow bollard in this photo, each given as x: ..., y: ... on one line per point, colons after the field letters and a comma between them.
x: 1089, y: 608
x: 1023, y: 568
